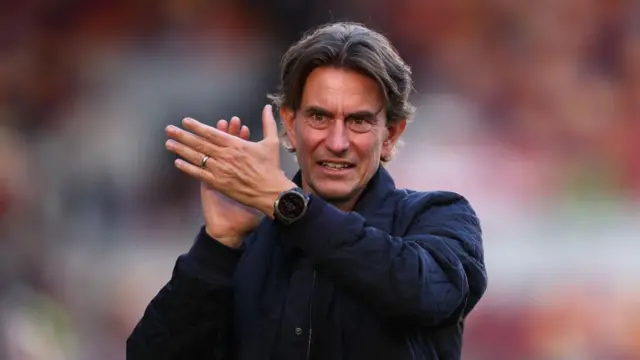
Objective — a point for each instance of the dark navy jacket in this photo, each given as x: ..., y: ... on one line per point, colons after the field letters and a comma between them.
x: 393, y: 279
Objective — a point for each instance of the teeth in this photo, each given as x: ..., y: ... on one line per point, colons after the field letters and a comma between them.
x: 335, y: 165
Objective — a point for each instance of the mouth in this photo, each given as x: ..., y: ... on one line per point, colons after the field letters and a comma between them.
x: 336, y: 165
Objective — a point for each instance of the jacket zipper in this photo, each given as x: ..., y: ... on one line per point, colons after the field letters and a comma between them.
x: 313, y: 285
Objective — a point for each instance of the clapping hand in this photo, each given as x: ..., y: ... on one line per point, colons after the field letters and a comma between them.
x: 225, y: 161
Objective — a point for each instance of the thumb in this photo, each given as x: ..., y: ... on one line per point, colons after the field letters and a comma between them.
x: 269, y: 124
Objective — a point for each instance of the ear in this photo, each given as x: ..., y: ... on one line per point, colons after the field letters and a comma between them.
x: 394, y: 131
x: 288, y: 117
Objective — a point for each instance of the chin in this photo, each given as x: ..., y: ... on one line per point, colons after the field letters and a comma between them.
x: 336, y: 193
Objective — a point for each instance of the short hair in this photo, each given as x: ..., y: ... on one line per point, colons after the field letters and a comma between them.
x: 350, y: 46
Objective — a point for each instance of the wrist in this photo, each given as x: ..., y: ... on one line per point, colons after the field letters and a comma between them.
x: 267, y: 200
x: 227, y: 239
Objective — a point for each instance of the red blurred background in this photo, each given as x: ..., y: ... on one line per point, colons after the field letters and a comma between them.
x: 529, y: 108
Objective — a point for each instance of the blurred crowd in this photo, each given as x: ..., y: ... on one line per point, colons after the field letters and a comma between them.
x: 531, y: 109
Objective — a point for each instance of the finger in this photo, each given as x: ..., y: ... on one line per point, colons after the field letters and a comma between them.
x: 269, y: 125
x: 234, y: 126
x: 244, y: 133
x: 196, y: 172
x: 212, y: 134
x: 188, y: 154
x: 222, y: 125
x: 193, y: 141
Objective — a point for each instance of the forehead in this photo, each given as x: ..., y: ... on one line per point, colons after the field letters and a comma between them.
x: 341, y: 91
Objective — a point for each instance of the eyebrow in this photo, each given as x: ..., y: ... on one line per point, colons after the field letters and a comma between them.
x: 361, y: 114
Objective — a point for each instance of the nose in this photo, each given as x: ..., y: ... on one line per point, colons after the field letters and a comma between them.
x: 337, y: 140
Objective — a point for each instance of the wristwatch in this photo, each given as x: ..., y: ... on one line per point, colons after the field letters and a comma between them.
x: 290, y: 205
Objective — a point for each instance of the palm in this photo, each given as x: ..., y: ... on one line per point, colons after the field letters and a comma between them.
x: 224, y: 216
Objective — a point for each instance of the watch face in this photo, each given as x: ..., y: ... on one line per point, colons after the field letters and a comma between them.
x: 291, y: 205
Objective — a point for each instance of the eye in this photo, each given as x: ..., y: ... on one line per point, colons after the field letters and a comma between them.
x: 318, y: 117
x: 360, y: 124
x: 318, y: 120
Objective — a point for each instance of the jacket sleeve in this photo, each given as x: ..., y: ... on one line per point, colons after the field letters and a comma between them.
x: 189, y: 318
x: 434, y: 274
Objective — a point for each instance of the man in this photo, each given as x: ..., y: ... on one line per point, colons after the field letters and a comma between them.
x: 344, y: 265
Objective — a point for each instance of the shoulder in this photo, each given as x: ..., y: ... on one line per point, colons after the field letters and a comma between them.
x: 421, y: 201
x: 410, y: 197
x: 435, y: 207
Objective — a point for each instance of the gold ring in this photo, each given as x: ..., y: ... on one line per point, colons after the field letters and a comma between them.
x: 204, y: 161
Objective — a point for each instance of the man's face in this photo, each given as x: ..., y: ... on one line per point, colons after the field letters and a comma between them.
x: 340, y: 133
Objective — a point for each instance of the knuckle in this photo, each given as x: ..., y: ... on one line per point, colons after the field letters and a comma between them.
x: 201, y: 148
x: 226, y: 156
x: 209, y: 133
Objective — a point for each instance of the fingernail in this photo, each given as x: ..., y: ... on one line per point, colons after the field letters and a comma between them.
x: 188, y: 121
